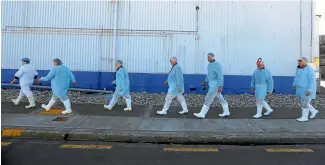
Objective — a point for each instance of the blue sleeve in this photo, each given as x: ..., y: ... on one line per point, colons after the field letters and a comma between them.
x: 122, y: 76
x: 311, y: 80
x: 294, y: 80
x: 179, y: 77
x: 49, y: 76
x: 72, y: 78
x: 206, y: 78
x: 253, y: 81
x: 270, y: 83
x: 218, y: 70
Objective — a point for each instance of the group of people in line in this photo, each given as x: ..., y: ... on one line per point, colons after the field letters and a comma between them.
x: 262, y: 84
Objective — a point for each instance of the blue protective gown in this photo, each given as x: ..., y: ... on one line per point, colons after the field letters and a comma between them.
x: 262, y: 82
x: 122, y: 82
x: 214, y: 76
x: 175, y: 80
x: 305, y: 80
x: 60, y: 77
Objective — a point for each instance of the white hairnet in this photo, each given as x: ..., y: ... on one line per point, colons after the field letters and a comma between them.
x: 119, y: 62
x: 305, y: 59
x: 212, y: 55
x: 25, y: 60
x: 174, y: 58
x: 57, y: 61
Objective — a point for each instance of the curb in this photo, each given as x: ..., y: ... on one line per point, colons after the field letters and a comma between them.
x: 166, y: 137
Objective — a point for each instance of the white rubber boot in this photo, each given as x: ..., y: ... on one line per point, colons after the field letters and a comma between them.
x: 49, y: 105
x: 226, y: 112
x: 203, y: 112
x: 31, y: 103
x: 269, y: 110
x: 304, y: 116
x: 168, y: 101
x: 111, y: 104
x: 67, y: 106
x: 128, y: 105
x: 258, y: 112
x: 313, y: 112
x: 164, y: 110
x: 16, y: 101
x: 184, y: 106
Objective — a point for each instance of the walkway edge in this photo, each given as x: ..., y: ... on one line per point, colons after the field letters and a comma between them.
x: 167, y: 137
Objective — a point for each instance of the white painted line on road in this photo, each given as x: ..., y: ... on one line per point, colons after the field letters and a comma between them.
x: 5, y: 143
x: 191, y: 150
x: 289, y: 150
x: 75, y: 146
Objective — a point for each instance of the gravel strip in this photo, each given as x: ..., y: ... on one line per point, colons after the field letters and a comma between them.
x: 193, y: 100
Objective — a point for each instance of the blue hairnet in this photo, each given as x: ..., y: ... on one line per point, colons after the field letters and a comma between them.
x: 305, y: 59
x: 57, y: 61
x: 174, y: 58
x: 119, y: 62
x: 25, y: 60
x: 212, y: 55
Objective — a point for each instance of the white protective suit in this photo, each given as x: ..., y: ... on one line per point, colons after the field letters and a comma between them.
x: 26, y: 75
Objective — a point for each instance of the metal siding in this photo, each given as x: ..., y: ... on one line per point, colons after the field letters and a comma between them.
x: 160, y: 15
x: 272, y: 34
x: 69, y: 14
x: 78, y: 52
x: 238, y: 32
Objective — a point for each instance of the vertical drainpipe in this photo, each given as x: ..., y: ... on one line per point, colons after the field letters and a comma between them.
x: 197, y: 8
x: 114, y: 34
x: 300, y: 28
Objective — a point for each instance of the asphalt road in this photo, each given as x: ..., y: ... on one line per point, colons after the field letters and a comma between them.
x: 31, y: 152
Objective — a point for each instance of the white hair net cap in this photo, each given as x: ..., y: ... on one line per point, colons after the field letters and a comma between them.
x: 57, y: 61
x: 25, y: 60
x: 212, y: 55
x: 119, y: 62
x: 174, y: 58
x: 305, y: 59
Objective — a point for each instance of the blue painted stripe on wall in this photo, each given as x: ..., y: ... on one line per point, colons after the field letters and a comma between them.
x: 153, y: 83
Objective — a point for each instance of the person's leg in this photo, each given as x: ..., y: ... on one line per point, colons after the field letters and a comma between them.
x: 313, y: 111
x: 67, y: 105
x: 259, y: 108
x: 304, y: 102
x: 112, y: 102
x: 168, y: 100
x: 182, y: 101
x: 267, y: 107
x: 128, y: 101
x: 207, y: 103
x: 224, y: 105
x: 30, y: 97
x: 51, y: 103
x: 18, y: 99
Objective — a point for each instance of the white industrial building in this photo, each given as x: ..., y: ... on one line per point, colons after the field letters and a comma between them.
x: 90, y: 35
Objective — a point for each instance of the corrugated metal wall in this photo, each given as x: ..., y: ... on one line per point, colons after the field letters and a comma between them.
x: 148, y: 33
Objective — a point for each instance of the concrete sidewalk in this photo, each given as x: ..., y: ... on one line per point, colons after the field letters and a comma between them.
x: 141, y: 127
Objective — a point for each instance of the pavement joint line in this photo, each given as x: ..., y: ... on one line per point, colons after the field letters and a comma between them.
x: 289, y: 150
x: 11, y: 132
x: 5, y: 143
x: 81, y: 146
x: 191, y: 150
x: 148, y: 112
x: 81, y: 122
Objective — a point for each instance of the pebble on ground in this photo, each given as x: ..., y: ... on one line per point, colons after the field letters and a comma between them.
x: 155, y: 99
